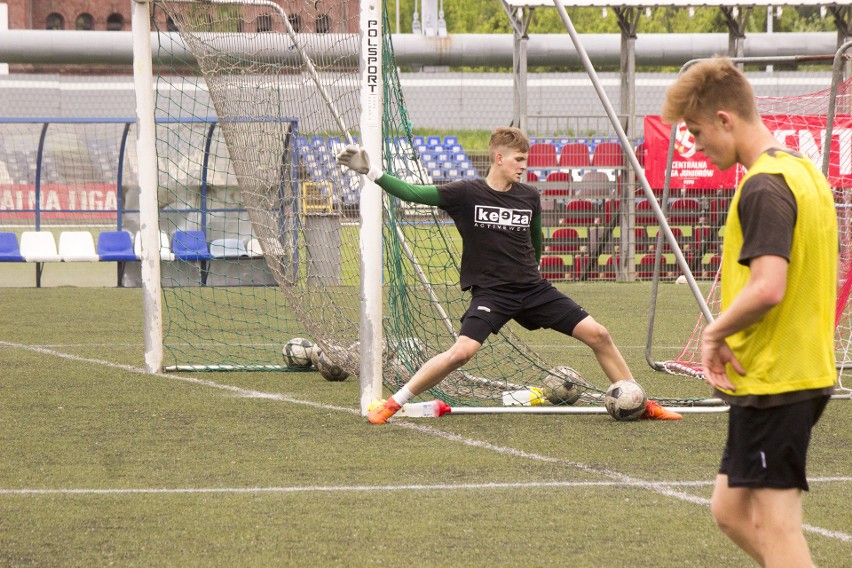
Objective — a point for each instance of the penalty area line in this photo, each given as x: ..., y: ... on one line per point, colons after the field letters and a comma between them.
x: 661, y: 489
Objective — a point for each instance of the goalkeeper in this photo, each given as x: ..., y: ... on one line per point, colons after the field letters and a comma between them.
x: 499, y: 220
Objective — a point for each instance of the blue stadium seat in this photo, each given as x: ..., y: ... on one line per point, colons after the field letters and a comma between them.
x: 190, y: 246
x: 450, y: 140
x: 417, y: 141
x: 433, y: 140
x: 116, y: 246
x: 9, y: 250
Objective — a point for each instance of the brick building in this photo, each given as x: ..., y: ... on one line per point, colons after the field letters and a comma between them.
x: 324, y: 16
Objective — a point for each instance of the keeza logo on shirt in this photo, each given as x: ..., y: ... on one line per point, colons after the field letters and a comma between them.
x: 502, y: 216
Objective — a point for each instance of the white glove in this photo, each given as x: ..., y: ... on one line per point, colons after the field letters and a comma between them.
x: 356, y: 158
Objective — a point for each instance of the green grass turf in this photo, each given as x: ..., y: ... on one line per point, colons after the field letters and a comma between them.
x: 300, y: 479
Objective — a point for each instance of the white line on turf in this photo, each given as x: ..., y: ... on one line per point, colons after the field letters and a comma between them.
x: 666, y: 489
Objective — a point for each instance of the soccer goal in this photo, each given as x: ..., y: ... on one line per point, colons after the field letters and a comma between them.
x: 817, y: 124
x: 266, y: 101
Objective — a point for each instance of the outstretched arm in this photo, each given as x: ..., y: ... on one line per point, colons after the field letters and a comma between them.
x: 535, y: 227
x: 356, y: 158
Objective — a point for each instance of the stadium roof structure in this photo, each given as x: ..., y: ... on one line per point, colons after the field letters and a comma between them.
x: 627, y: 12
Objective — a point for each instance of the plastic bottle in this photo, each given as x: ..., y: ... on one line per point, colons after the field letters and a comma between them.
x: 527, y: 397
x: 433, y: 408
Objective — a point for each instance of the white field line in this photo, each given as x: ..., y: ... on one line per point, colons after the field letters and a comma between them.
x: 618, y: 479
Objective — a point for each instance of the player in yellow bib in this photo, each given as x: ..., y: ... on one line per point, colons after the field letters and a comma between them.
x: 770, y: 352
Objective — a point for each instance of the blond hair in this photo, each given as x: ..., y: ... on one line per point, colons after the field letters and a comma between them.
x: 507, y: 137
x: 706, y: 88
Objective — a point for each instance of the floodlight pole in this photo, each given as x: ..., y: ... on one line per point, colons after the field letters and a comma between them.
x: 146, y: 149
x: 634, y: 162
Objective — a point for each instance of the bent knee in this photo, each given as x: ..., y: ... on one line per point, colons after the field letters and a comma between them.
x: 460, y: 353
x: 593, y: 334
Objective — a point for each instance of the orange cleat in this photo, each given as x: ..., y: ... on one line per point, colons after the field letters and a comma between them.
x: 653, y: 411
x: 381, y: 410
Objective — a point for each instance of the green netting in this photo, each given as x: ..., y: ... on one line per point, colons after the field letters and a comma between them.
x: 286, y: 94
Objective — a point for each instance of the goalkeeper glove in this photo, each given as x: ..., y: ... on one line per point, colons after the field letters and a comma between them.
x: 355, y: 158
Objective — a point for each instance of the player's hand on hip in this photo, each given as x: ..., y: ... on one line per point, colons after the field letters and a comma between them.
x: 714, y: 357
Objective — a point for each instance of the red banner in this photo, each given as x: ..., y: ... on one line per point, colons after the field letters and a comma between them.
x: 692, y: 171
x: 68, y: 201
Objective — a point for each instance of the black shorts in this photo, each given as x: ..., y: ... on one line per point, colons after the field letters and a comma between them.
x: 767, y: 447
x: 533, y: 306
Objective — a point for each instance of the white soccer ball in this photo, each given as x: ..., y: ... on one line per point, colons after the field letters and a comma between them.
x: 314, y: 354
x: 297, y: 352
x: 625, y: 400
x: 330, y: 370
x: 560, y: 386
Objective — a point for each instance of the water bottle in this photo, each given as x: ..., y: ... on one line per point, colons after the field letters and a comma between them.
x: 526, y: 397
x: 431, y: 409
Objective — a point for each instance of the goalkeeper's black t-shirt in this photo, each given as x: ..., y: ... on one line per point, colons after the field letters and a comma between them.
x: 495, y: 228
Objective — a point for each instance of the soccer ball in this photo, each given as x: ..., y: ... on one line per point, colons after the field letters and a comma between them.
x: 559, y: 387
x: 314, y: 354
x: 297, y: 352
x: 625, y: 400
x: 330, y: 370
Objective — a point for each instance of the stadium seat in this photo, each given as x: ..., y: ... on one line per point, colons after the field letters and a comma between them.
x: 39, y: 247
x: 77, y: 246
x: 227, y: 248
x: 684, y: 211
x: 450, y: 140
x: 580, y: 212
x: 645, y: 213
x: 645, y: 265
x: 542, y: 155
x: 532, y: 177
x: 190, y: 246
x: 608, y: 155
x: 116, y: 246
x: 165, y: 246
x: 253, y: 248
x: 595, y: 185
x: 710, y: 263
x: 567, y: 239
x: 433, y: 140
x: 553, y: 268
x: 9, y: 250
x: 575, y: 155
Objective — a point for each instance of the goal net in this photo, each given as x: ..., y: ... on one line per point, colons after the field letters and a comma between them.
x: 799, y: 122
x: 284, y: 88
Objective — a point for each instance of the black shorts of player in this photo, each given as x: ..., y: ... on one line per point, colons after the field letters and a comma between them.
x: 767, y: 447
x: 533, y: 306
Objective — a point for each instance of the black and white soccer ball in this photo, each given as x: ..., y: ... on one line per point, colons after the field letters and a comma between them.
x: 329, y: 369
x: 625, y: 400
x: 314, y: 354
x: 559, y: 388
x: 297, y: 353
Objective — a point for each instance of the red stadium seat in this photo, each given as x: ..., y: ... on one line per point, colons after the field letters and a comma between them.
x: 581, y: 212
x: 608, y: 155
x: 575, y: 155
x: 542, y: 155
x: 567, y: 239
x: 553, y: 268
